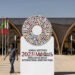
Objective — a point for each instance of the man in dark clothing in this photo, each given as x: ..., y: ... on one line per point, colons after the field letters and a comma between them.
x: 12, y: 52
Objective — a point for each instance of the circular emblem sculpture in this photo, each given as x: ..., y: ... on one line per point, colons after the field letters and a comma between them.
x: 37, y: 30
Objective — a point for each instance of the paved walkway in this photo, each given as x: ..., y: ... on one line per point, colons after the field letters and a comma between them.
x: 64, y: 65
x: 5, y: 67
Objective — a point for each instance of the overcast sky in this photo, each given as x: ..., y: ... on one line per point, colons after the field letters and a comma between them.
x: 27, y: 8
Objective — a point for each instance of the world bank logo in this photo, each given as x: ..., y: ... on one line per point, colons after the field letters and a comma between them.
x: 37, y: 30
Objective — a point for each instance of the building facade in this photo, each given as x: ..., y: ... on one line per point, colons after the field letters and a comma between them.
x: 63, y: 29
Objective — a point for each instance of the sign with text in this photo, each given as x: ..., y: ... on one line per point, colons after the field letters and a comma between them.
x: 37, y: 60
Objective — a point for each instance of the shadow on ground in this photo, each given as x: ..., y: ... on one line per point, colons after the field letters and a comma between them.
x: 64, y: 73
x: 16, y: 72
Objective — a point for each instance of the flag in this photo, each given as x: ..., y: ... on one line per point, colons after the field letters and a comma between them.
x: 6, y: 30
x: 7, y: 25
x: 2, y: 27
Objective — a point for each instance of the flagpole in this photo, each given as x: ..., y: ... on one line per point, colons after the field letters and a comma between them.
x: 2, y: 31
x: 8, y: 33
x: 2, y: 45
x: 5, y: 44
x: 5, y: 35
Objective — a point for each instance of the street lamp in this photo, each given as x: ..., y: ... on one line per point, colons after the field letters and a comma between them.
x: 71, y: 44
x: 15, y: 40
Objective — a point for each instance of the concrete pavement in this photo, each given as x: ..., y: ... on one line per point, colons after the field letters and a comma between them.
x: 5, y: 67
x: 64, y: 65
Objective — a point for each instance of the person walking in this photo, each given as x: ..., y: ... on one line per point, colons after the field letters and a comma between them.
x: 12, y: 52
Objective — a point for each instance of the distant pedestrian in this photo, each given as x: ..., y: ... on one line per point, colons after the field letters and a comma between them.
x: 12, y: 52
